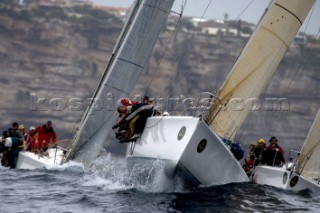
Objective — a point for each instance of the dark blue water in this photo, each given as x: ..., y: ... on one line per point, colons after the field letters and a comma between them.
x: 108, y: 187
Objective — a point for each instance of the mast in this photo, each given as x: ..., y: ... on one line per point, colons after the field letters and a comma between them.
x: 256, y: 65
x: 128, y: 60
x: 114, y: 52
x: 308, y: 162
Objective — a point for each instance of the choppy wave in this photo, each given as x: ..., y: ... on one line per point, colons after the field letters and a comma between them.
x: 109, y: 187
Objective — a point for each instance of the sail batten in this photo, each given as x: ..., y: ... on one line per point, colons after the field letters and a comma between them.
x: 130, y: 55
x: 293, y: 14
x: 131, y: 62
x: 256, y: 65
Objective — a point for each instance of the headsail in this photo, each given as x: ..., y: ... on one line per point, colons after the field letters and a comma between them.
x: 257, y: 63
x: 309, y: 163
x: 130, y: 55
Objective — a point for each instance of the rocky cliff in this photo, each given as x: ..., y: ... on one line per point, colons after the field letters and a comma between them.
x: 50, y: 56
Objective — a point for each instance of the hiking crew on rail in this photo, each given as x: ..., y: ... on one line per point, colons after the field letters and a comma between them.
x: 15, y: 139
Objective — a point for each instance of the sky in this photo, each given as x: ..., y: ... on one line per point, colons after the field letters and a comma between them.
x: 247, y: 10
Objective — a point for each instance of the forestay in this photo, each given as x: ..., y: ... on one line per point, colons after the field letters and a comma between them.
x: 309, y: 161
x: 130, y: 55
x: 257, y: 63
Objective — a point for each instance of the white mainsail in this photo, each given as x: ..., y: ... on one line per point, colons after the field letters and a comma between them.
x: 129, y: 58
x: 309, y: 162
x: 257, y: 63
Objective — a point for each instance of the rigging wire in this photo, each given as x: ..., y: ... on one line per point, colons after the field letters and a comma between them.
x: 246, y: 123
x: 55, y: 75
x: 238, y: 17
x: 75, y: 126
x: 166, y: 47
x: 183, y: 55
x: 205, y: 11
x: 183, y: 5
x: 298, y: 71
x: 244, y: 10
x: 285, y: 91
x: 201, y: 19
x: 297, y: 75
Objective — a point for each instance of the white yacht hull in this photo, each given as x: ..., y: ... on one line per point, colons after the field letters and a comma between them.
x: 283, y: 178
x: 185, y: 144
x: 30, y: 160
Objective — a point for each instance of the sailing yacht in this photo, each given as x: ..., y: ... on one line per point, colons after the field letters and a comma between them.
x: 194, y: 145
x: 129, y: 57
x: 30, y: 160
x: 300, y: 173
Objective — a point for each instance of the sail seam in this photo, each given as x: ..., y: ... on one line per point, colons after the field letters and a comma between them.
x: 276, y: 35
x: 294, y: 15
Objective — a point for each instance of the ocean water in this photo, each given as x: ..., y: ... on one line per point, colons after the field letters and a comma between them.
x: 108, y: 187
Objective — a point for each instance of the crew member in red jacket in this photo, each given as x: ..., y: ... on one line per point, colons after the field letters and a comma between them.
x: 46, y: 135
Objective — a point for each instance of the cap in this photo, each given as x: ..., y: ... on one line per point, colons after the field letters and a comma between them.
x: 32, y: 128
x: 273, y: 139
x: 125, y: 102
x: 21, y: 126
x: 49, y: 122
x: 165, y: 113
x: 261, y: 141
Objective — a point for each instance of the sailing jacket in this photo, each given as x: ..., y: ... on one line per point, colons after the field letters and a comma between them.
x: 45, y: 136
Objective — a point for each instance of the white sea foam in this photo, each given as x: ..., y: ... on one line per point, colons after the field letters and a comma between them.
x: 110, y: 173
x: 71, y: 166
